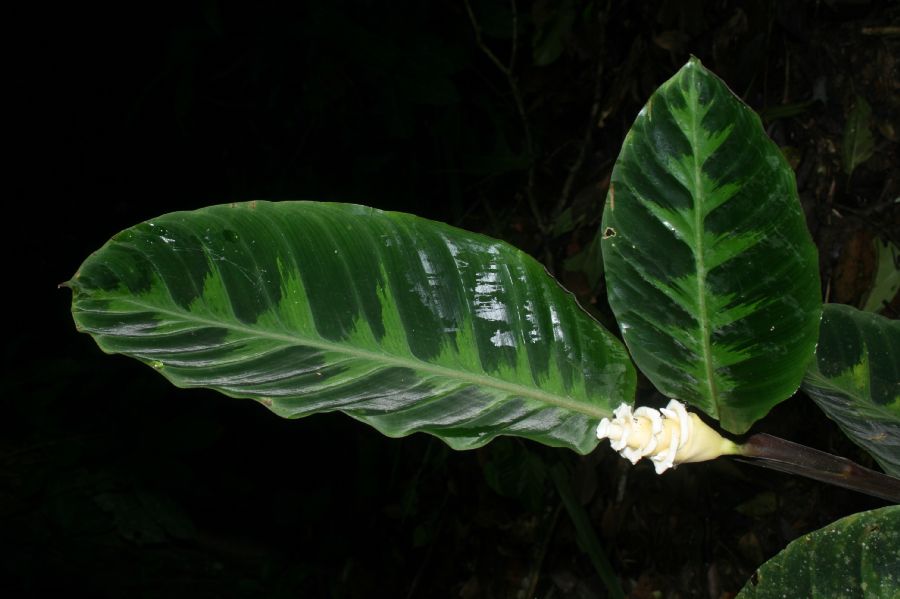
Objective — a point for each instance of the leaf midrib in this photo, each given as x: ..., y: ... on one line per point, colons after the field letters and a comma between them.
x: 387, y: 359
x: 699, y: 263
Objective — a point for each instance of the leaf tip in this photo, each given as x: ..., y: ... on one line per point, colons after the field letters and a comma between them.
x: 694, y: 63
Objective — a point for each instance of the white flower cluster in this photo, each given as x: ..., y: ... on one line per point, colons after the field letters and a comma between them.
x: 669, y: 436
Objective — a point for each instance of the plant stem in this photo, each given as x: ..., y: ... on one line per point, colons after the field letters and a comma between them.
x: 584, y: 532
x: 542, y: 553
x: 785, y: 456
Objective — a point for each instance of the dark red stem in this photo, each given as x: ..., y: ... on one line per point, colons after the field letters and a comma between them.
x: 785, y: 456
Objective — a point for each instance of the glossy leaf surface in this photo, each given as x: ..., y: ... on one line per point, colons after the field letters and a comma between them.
x: 854, y: 557
x: 402, y: 323
x: 710, y: 269
x: 855, y: 379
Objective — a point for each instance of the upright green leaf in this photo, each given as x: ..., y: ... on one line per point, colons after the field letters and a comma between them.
x: 710, y: 269
x: 855, y: 379
x: 858, y: 145
x: 402, y: 323
x: 856, y: 556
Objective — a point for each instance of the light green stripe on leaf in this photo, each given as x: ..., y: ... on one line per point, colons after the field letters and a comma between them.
x: 855, y: 557
x: 855, y: 379
x: 403, y: 323
x: 710, y: 269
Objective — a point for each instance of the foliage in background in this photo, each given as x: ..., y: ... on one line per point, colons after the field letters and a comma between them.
x: 710, y: 268
x: 858, y: 143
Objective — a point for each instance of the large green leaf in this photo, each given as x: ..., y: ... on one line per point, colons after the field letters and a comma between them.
x: 710, y: 269
x: 855, y: 379
x: 856, y: 556
x: 403, y: 323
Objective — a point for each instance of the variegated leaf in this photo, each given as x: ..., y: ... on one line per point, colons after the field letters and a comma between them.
x: 855, y: 379
x: 710, y: 269
x: 403, y: 323
x: 855, y: 557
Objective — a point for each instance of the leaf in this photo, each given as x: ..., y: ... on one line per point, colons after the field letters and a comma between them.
x: 552, y: 29
x: 887, y: 277
x: 585, y: 534
x: 853, y: 557
x: 760, y: 505
x: 855, y: 379
x: 858, y: 145
x: 513, y: 470
x: 710, y: 269
x: 587, y: 261
x: 403, y: 323
x: 785, y: 111
x: 566, y: 222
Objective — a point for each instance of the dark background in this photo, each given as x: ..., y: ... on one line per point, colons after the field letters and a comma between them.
x: 115, y: 484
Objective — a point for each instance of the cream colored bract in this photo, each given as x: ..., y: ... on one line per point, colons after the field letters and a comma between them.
x: 669, y: 436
